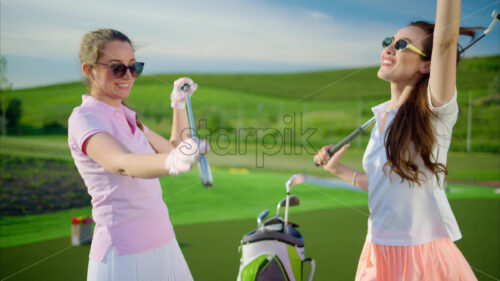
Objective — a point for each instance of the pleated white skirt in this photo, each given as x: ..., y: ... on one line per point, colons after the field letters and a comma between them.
x: 165, y: 263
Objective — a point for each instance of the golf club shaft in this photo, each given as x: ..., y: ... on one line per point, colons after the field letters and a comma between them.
x: 472, y: 43
x: 349, y: 138
x: 190, y: 111
x: 286, y: 213
x: 203, y: 167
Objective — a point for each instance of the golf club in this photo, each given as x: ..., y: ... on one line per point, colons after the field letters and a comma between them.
x: 203, y: 167
x: 293, y: 181
x: 351, y: 136
x: 261, y: 217
x: 496, y: 18
x: 294, y: 201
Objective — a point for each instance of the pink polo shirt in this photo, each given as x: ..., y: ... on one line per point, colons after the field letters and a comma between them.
x: 129, y: 213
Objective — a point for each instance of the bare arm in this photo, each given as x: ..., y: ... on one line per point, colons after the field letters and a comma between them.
x: 116, y: 158
x: 159, y: 143
x: 347, y: 174
x: 444, y: 51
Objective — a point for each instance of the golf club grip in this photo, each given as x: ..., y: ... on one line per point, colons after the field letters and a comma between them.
x: 343, y: 142
x: 348, y: 139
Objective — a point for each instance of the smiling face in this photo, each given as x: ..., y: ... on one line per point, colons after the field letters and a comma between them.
x: 403, y: 66
x: 104, y: 86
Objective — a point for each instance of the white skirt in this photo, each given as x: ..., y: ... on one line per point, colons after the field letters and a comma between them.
x: 165, y: 263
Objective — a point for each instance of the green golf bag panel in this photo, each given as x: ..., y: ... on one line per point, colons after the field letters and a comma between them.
x: 264, y: 268
x: 296, y: 255
x: 289, y: 256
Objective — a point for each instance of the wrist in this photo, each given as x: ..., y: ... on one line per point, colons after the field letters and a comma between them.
x: 353, y: 180
x: 170, y: 165
x: 332, y: 170
x: 178, y: 105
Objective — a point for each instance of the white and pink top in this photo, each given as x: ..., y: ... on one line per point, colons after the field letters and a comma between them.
x: 129, y: 213
x: 404, y: 215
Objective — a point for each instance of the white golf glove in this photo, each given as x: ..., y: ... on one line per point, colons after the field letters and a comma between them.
x: 178, y: 96
x: 182, y: 158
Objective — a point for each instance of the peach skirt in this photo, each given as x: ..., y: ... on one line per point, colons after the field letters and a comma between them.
x: 434, y: 261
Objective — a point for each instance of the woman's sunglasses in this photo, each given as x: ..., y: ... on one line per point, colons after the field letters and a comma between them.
x: 119, y: 69
x: 401, y: 45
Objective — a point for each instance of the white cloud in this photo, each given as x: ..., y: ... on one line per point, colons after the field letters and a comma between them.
x: 317, y: 15
x: 238, y: 30
x: 210, y: 36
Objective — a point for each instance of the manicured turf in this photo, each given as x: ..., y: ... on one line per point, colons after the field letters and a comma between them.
x: 237, y: 194
x: 471, y: 167
x: 334, y: 238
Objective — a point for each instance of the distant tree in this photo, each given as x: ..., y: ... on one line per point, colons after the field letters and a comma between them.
x: 5, y: 87
x: 13, y: 113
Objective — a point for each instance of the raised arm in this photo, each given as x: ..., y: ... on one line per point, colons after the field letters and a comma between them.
x: 444, y: 52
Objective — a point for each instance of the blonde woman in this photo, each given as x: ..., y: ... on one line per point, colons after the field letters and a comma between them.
x: 120, y: 160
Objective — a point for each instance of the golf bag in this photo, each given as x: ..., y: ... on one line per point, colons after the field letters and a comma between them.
x: 271, y: 254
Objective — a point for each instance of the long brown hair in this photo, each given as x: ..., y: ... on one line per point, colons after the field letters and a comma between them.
x: 91, y: 47
x: 411, y: 134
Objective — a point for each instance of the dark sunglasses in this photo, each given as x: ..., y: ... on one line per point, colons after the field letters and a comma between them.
x: 119, y: 69
x: 401, y: 45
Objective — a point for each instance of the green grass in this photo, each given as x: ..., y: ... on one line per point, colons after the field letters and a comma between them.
x: 337, y: 102
x: 235, y: 196
x: 333, y: 237
x: 473, y: 167
x: 35, y: 228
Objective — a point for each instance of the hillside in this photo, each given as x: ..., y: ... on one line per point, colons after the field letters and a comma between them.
x: 332, y: 103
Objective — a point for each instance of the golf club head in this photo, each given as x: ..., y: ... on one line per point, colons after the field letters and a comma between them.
x: 496, y: 18
x: 276, y: 223
x: 205, y: 172
x: 295, y: 180
x: 496, y: 15
x: 274, y: 220
x: 273, y: 227
x: 261, y: 217
x: 294, y: 201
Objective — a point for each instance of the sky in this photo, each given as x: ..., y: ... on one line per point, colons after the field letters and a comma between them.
x: 40, y: 39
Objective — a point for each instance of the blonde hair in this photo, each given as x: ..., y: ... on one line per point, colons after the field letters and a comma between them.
x: 93, y: 42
